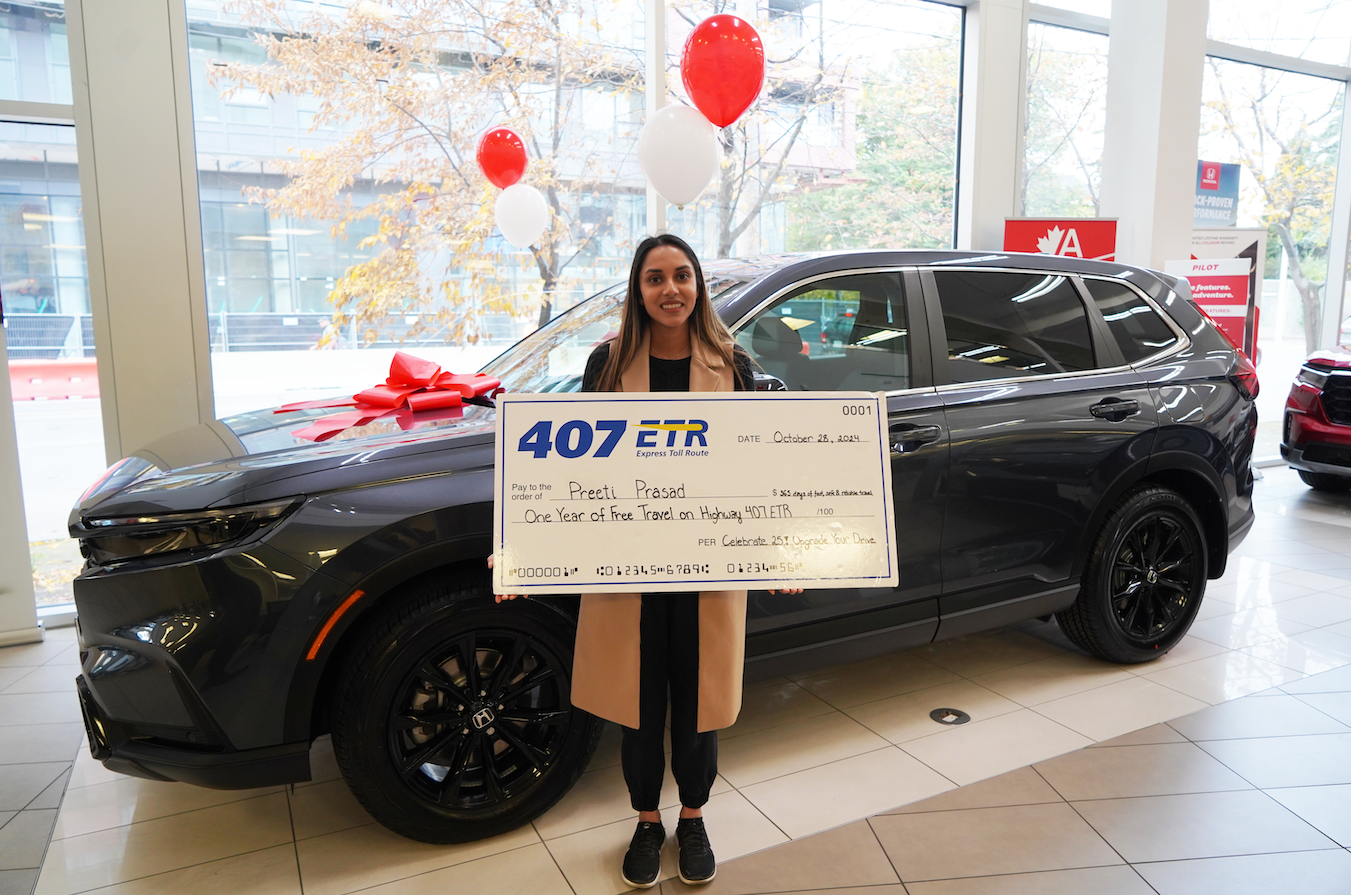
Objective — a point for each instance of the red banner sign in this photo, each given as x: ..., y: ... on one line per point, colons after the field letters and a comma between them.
x: 1092, y: 238
x: 1220, y: 288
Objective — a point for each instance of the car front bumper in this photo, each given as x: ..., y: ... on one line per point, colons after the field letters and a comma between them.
x: 1310, y: 441
x: 1325, y: 458
x: 186, y: 668
x: 115, y: 744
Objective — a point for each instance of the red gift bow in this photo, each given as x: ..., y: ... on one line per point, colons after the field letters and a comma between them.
x: 416, y: 391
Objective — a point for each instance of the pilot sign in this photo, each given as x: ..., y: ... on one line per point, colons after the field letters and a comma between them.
x: 605, y: 493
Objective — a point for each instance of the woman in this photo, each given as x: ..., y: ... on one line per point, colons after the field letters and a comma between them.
x: 634, y: 649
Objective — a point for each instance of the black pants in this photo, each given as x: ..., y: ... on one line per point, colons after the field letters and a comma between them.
x: 670, y: 664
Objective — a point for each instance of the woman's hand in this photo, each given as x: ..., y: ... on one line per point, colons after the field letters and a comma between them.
x: 500, y: 597
x: 787, y: 590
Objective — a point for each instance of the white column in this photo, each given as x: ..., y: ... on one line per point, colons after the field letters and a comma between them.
x: 142, y: 224
x: 18, y: 615
x: 994, y: 105
x: 1155, y: 61
x: 654, y: 90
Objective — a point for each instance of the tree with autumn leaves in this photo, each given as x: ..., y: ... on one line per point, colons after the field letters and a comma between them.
x: 900, y: 194
x: 1062, y: 135
x: 409, y: 85
x: 1286, y: 138
x: 860, y: 151
x: 801, y: 77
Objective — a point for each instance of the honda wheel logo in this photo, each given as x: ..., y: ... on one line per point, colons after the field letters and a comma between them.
x: 482, y: 718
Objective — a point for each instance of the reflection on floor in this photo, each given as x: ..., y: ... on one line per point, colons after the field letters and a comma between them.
x: 822, y: 751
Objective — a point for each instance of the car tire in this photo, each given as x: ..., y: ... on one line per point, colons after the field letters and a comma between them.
x: 1144, y: 579
x: 1323, y: 481
x: 499, y: 741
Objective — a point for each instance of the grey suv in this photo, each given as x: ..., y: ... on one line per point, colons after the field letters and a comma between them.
x: 1069, y: 438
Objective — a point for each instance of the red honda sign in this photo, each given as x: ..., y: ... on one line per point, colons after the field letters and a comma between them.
x: 1092, y: 238
x: 1210, y: 175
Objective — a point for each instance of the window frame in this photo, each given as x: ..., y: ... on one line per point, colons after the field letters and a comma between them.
x: 1107, y: 356
x: 916, y: 312
x: 1182, y: 343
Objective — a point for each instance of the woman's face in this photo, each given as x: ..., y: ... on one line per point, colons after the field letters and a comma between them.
x: 669, y: 287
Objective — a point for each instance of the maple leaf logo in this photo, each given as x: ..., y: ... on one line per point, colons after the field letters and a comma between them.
x: 1051, y: 241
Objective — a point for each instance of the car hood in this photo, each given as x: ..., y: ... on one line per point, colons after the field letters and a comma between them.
x: 245, y: 457
x: 1331, y: 358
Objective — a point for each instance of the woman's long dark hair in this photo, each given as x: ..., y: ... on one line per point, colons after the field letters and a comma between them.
x: 705, y: 324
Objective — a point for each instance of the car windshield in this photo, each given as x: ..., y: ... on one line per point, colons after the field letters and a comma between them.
x: 553, y: 357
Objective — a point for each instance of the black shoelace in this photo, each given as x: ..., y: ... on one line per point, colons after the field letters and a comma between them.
x: 693, y: 839
x: 646, y: 846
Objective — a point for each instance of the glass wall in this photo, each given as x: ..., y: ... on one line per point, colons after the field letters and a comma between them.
x: 34, y: 54
x: 1315, y: 30
x: 1284, y: 130
x: 1066, y: 113
x: 854, y: 141
x: 45, y: 288
x: 347, y: 211
x: 42, y: 267
x: 1100, y: 8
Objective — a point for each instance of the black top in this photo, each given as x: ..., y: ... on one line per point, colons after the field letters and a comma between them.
x: 669, y: 375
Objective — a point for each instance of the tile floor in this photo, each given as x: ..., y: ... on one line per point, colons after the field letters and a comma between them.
x: 1249, y: 796
x: 40, y: 733
x: 814, y: 771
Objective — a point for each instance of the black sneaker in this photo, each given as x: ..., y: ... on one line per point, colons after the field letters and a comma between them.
x: 642, y: 862
x: 697, y: 865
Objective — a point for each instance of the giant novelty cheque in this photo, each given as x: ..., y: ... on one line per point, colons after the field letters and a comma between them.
x: 605, y: 493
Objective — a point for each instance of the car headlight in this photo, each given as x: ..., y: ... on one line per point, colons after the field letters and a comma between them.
x: 1316, y: 378
x: 115, y: 540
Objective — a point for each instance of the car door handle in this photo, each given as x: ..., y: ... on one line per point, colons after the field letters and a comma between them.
x: 1114, y: 409
x: 906, y: 437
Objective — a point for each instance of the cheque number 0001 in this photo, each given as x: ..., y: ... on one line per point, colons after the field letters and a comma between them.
x: 857, y: 409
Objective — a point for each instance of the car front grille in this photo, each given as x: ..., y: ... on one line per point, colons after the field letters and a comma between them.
x: 1337, y: 399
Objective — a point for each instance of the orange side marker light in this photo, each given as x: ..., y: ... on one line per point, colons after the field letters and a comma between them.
x: 332, y: 620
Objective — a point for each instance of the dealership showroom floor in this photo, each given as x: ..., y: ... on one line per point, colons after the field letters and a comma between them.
x: 1223, y: 767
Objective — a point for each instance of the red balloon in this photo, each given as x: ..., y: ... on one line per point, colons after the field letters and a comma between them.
x: 502, y: 156
x: 723, y: 67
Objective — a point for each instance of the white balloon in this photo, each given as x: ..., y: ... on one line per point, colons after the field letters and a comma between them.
x: 678, y: 150
x: 522, y: 214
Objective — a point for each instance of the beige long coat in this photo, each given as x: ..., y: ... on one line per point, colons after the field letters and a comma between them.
x: 607, y: 659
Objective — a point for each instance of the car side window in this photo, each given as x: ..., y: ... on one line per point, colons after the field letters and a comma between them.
x: 845, y: 333
x: 1002, y: 325
x: 1139, y: 330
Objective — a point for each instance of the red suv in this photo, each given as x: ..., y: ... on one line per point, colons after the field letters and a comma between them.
x: 1317, y: 433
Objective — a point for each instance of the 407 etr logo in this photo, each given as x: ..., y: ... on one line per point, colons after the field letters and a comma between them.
x: 576, y: 438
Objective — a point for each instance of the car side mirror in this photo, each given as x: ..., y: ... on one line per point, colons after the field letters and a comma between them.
x: 767, y: 383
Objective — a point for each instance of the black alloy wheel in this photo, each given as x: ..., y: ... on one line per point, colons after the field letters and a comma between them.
x: 453, y: 720
x: 480, y: 720
x: 1144, y: 580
